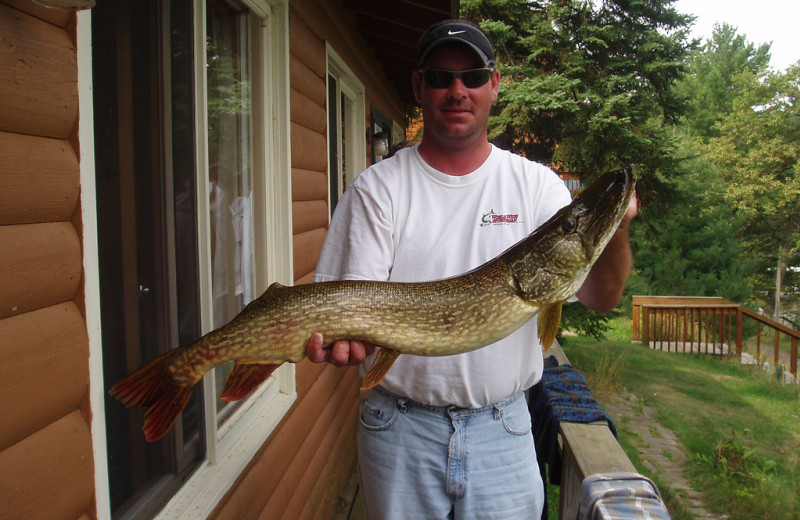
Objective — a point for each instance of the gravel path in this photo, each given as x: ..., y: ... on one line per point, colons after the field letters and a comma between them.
x: 659, y: 448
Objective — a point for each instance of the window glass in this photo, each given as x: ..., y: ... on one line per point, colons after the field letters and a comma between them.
x: 145, y: 179
x: 381, y: 136
x: 335, y: 139
x: 230, y: 167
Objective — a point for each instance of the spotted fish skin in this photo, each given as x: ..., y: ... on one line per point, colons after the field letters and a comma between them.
x: 437, y: 318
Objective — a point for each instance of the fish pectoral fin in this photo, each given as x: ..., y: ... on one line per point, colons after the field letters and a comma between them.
x: 245, y: 378
x: 549, y: 319
x: 383, y: 362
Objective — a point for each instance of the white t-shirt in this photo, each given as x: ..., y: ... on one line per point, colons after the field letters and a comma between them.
x: 402, y: 220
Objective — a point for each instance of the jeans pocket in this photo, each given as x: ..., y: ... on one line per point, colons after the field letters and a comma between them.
x: 516, y: 419
x: 378, y: 412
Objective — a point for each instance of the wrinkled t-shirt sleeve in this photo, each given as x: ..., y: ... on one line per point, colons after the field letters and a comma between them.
x: 359, y: 244
x: 555, y: 196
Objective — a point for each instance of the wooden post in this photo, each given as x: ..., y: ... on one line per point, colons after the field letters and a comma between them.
x: 685, y: 326
x: 739, y: 332
x: 758, y: 343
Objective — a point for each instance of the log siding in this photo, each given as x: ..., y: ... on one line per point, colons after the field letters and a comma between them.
x: 46, y: 456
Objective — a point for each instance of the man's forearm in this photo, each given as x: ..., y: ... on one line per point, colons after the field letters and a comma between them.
x: 602, y: 289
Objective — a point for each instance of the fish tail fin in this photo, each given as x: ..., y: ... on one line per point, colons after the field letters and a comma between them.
x: 244, y: 379
x: 154, y: 387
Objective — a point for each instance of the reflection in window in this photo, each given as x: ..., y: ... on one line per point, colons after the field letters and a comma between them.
x: 230, y: 167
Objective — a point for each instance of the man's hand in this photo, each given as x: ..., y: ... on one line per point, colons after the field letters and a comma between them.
x: 633, y: 208
x: 341, y: 353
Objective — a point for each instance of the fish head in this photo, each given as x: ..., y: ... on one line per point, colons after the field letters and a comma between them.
x: 551, y: 264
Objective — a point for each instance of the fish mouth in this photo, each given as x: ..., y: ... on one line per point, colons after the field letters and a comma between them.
x: 609, y: 197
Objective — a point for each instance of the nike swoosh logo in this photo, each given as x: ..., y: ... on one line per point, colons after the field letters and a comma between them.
x: 453, y: 33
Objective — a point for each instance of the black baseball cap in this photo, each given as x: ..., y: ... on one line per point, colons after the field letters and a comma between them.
x: 457, y: 31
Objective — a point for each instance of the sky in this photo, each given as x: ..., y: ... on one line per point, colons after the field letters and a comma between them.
x: 761, y: 21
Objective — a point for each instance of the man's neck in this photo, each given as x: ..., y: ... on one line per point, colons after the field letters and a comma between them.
x: 453, y: 161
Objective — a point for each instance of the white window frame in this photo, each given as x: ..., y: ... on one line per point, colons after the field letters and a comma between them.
x: 231, y: 447
x: 398, y: 134
x: 348, y: 84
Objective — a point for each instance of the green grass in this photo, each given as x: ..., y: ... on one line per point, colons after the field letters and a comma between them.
x: 740, y: 428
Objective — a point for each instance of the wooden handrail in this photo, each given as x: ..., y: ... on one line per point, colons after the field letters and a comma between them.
x: 586, y: 449
x: 639, y: 300
x: 674, y: 320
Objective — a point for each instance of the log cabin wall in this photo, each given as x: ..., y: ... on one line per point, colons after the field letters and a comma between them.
x: 46, y: 464
x: 301, y: 469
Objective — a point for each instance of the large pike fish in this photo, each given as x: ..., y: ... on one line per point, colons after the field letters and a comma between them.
x: 437, y: 318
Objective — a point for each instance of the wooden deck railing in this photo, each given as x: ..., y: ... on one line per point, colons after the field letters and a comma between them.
x: 705, y: 324
x: 586, y: 449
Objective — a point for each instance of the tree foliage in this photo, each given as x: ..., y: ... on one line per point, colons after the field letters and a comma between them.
x: 697, y: 246
x: 757, y: 154
x: 693, y: 250
x: 710, y: 87
x: 587, y: 87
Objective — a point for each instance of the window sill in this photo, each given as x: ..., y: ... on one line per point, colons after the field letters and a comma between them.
x: 245, y: 433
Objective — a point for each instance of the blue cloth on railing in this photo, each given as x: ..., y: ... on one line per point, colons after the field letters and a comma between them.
x: 561, y: 395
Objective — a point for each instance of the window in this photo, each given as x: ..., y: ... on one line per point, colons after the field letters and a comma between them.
x: 193, y: 193
x: 346, y: 116
x: 381, y: 130
x: 230, y: 168
x: 398, y: 134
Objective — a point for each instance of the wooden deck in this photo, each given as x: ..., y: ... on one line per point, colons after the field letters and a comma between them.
x: 349, y: 505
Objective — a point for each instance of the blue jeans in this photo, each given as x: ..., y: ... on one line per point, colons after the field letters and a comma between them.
x: 419, y: 462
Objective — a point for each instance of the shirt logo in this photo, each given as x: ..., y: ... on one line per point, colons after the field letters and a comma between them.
x: 451, y: 32
x: 496, y: 219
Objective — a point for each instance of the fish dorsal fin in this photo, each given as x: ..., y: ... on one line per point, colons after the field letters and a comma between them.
x: 383, y: 362
x: 549, y: 319
x: 244, y: 379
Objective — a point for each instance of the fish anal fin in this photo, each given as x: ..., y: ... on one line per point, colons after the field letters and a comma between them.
x: 245, y: 378
x: 383, y: 362
x: 549, y: 320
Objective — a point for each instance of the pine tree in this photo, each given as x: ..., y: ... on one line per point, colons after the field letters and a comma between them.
x: 587, y: 87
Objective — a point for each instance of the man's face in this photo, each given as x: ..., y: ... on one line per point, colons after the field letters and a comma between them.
x: 455, y: 116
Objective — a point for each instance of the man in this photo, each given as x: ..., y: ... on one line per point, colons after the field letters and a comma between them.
x: 450, y: 437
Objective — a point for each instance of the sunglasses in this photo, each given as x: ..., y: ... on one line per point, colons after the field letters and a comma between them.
x: 443, y: 78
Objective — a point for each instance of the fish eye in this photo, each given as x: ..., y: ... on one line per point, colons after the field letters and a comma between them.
x: 569, y: 225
